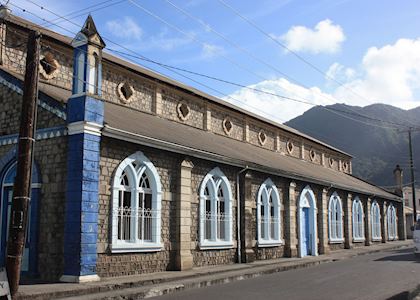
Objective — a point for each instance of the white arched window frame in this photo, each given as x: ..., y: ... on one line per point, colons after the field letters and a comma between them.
x: 215, y: 211
x: 335, y: 219
x: 136, y: 206
x: 93, y: 74
x: 268, y: 215
x: 358, y: 221
x: 391, y: 217
x: 376, y: 221
x: 79, y: 79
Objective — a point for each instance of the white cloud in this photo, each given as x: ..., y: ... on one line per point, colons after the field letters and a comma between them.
x: 324, y: 38
x: 337, y: 72
x: 276, y: 108
x: 390, y: 74
x: 125, y: 28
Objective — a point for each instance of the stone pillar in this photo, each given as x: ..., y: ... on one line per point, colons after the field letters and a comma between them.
x: 323, y: 223
x: 348, y: 217
x: 290, y: 228
x: 277, y: 143
x: 246, y: 130
x: 3, y: 11
x: 207, y: 118
x: 248, y: 220
x: 384, y: 225
x: 368, y: 221
x: 184, y: 259
x: 157, y: 102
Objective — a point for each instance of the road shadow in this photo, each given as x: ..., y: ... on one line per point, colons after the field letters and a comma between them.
x: 401, y: 255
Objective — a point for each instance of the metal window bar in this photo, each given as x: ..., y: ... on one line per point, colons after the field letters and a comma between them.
x: 146, y: 218
x: 220, y: 221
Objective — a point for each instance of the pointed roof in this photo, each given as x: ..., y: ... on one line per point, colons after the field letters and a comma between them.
x: 89, y: 34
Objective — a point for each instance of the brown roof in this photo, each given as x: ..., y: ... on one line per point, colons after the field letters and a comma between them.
x: 154, y: 131
x: 156, y: 76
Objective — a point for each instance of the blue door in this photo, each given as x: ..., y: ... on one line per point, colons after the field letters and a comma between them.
x: 306, y: 242
x: 29, y: 253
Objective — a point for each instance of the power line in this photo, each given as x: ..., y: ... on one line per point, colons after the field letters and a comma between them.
x: 278, y: 43
x: 235, y: 45
x: 335, y: 111
x: 78, y: 13
x: 189, y: 78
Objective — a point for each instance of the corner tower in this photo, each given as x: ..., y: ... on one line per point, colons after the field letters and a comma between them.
x: 85, y: 114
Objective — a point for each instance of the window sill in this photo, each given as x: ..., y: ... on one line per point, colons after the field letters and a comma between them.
x: 377, y: 239
x: 127, y: 248
x: 269, y: 243
x: 336, y: 241
x: 216, y: 245
x: 358, y: 240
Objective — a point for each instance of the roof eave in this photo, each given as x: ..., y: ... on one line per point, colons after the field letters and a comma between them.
x: 120, y: 134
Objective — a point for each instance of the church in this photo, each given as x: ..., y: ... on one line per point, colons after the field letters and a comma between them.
x: 135, y: 172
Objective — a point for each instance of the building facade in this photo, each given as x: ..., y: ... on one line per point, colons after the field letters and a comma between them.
x: 137, y: 173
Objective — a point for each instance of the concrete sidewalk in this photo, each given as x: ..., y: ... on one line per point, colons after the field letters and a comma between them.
x: 149, y: 285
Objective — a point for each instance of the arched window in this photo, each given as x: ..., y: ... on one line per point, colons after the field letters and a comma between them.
x: 358, y: 223
x: 79, y: 78
x: 268, y: 214
x: 136, y: 213
x: 376, y: 221
x: 391, y: 217
x: 7, y: 180
x: 335, y: 218
x: 215, y: 211
x: 94, y: 69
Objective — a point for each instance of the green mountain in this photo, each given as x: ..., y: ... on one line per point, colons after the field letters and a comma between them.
x: 376, y: 147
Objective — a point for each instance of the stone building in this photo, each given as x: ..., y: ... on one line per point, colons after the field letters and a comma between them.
x: 136, y: 173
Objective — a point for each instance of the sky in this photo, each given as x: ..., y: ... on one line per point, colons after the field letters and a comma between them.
x: 281, y: 57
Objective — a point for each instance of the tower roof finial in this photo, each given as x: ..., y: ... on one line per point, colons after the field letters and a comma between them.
x: 89, y: 34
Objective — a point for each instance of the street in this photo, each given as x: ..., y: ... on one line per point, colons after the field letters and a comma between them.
x: 374, y: 276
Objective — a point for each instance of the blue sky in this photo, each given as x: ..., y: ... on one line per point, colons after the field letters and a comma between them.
x: 370, y: 50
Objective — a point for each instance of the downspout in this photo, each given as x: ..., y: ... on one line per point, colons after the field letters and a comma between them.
x: 238, y: 215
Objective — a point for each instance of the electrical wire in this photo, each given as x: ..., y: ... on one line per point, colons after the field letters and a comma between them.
x: 281, y: 45
x: 335, y: 111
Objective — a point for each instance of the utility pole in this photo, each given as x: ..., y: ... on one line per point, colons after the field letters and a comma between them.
x: 413, y: 185
x: 23, y: 180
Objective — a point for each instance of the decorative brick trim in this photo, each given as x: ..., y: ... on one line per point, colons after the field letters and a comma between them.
x: 41, y: 134
x: 15, y: 86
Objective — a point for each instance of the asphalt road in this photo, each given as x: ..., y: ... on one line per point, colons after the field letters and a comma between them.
x: 374, y: 276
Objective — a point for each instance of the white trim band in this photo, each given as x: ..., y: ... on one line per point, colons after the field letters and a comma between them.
x: 84, y: 127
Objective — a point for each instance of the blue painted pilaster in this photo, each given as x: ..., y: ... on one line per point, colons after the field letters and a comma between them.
x: 85, y: 118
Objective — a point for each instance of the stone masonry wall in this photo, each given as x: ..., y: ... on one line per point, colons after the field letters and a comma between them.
x: 50, y: 156
x: 211, y: 257
x: 167, y: 165
x: 263, y: 253
x: 10, y: 103
x: 143, y: 90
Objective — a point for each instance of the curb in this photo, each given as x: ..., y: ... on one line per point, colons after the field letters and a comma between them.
x: 155, y: 287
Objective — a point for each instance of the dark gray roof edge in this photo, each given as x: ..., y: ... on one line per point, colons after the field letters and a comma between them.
x: 154, y: 75
x: 120, y: 134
